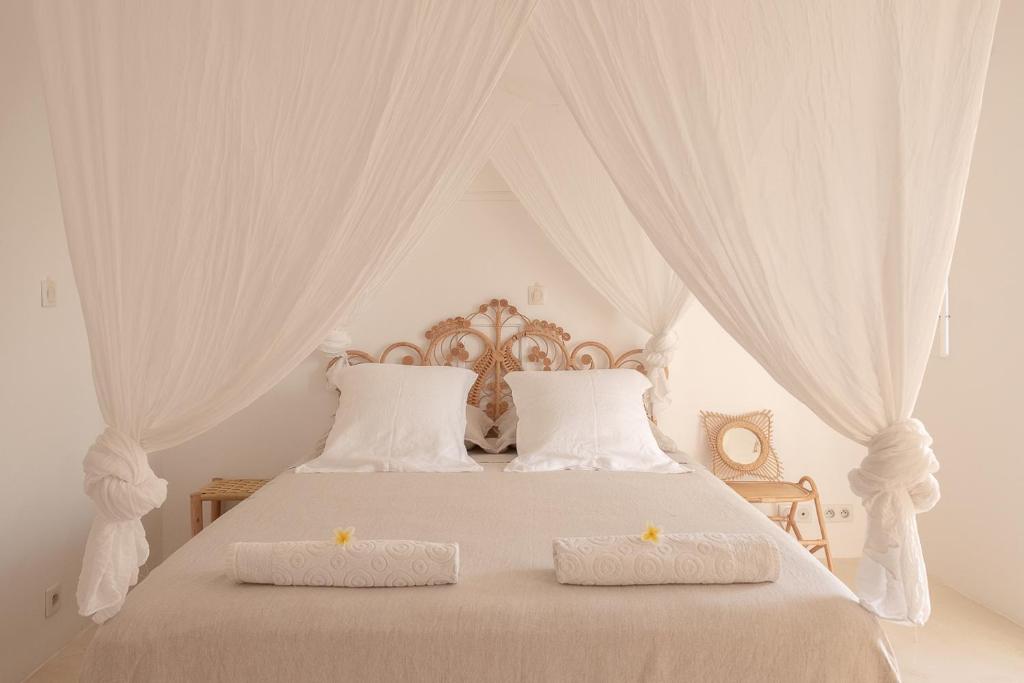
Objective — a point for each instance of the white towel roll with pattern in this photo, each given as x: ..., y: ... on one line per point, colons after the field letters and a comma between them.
x: 359, y: 564
x: 675, y: 558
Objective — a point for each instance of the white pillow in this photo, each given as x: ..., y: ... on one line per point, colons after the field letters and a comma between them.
x: 477, y: 426
x: 398, y: 418
x: 584, y: 420
x: 506, y: 428
x: 506, y: 438
x: 664, y: 441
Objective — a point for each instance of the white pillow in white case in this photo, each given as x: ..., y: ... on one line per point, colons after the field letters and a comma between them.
x: 477, y: 426
x: 584, y: 420
x: 506, y: 438
x: 398, y: 418
x: 506, y: 427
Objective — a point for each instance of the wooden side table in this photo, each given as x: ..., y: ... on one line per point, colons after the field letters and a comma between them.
x: 794, y: 493
x: 217, y: 491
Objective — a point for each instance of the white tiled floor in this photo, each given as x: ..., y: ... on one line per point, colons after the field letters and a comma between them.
x: 963, y: 642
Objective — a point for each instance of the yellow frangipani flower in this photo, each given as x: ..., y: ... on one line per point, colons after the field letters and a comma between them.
x: 652, y: 533
x: 343, y: 536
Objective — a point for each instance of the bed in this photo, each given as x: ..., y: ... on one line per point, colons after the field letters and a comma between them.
x: 507, y: 618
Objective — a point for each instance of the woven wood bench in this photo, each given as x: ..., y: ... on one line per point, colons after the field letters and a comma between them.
x: 217, y: 491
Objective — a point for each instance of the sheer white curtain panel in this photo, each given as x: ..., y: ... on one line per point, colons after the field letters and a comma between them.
x: 801, y: 165
x: 553, y: 171
x: 232, y: 174
x: 501, y: 109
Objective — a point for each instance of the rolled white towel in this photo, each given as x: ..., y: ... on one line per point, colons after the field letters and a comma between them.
x: 676, y: 558
x: 359, y: 564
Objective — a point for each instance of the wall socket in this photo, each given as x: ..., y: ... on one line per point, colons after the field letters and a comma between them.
x: 833, y: 512
x: 804, y: 513
x: 53, y: 598
x: 837, y: 512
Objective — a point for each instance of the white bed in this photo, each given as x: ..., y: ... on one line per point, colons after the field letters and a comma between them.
x: 507, y: 619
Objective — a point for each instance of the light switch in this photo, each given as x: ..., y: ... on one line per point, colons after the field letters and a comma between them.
x: 52, y: 598
x: 535, y: 294
x: 48, y: 292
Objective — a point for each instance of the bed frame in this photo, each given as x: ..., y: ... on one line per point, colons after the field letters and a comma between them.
x: 497, y: 339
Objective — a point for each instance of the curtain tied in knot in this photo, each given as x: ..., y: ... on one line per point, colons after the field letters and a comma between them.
x: 656, y: 356
x: 659, y: 350
x: 900, y: 458
x: 896, y: 481
x: 118, y: 478
x: 336, y: 344
x: 123, y: 488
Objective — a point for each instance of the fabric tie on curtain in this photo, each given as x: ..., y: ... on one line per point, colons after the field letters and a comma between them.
x: 123, y: 488
x: 336, y: 344
x: 657, y: 356
x: 895, y: 481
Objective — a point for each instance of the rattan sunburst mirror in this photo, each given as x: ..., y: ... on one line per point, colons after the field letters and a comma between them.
x: 741, y: 445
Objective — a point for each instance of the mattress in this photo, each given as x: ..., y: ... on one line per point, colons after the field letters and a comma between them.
x: 507, y: 619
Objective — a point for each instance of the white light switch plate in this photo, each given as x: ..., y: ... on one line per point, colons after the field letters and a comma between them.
x: 535, y: 295
x: 48, y: 292
x: 52, y: 597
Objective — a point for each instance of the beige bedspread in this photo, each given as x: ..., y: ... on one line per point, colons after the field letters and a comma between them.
x: 507, y: 619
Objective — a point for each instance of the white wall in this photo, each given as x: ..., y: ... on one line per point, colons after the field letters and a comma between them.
x: 48, y: 413
x: 488, y: 247
x: 971, y: 401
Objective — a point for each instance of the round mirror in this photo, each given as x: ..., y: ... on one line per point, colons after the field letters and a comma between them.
x: 741, y: 446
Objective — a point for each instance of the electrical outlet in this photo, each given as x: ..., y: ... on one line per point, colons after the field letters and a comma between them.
x: 52, y: 604
x: 803, y: 513
x: 837, y: 512
x: 845, y: 512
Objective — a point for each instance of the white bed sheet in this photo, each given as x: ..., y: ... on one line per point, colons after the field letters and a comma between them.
x: 507, y: 619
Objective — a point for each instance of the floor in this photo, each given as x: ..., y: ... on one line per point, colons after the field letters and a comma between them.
x: 962, y: 642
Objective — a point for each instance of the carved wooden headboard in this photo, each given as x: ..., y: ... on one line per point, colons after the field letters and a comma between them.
x: 497, y: 339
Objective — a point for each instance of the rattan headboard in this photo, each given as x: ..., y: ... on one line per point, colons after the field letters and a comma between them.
x: 497, y: 339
